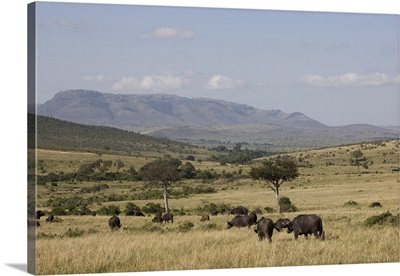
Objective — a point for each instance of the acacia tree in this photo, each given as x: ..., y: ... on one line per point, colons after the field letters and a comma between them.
x: 275, y: 171
x: 358, y: 159
x: 162, y: 171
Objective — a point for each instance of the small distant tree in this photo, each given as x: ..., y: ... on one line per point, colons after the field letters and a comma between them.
x: 162, y: 172
x: 275, y: 171
x: 358, y: 159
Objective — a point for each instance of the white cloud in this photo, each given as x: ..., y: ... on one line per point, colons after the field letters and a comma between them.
x: 165, y: 81
x: 167, y: 33
x: 348, y: 80
x: 218, y: 82
x: 94, y: 78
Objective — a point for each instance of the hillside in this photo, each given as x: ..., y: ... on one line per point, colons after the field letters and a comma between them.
x: 56, y: 134
x: 205, y: 122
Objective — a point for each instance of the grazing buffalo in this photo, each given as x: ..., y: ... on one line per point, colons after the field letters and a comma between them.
x: 252, y: 218
x: 157, y: 218
x: 214, y: 212
x: 135, y: 213
x: 39, y: 214
x: 307, y: 224
x: 264, y: 229
x: 239, y: 221
x: 114, y: 222
x: 50, y: 218
x: 168, y: 217
x: 239, y: 211
x: 281, y: 223
x: 205, y: 217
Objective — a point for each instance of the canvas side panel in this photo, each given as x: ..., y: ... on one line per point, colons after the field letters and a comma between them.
x: 31, y: 138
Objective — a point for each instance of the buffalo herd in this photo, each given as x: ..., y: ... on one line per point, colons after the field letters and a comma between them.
x: 305, y: 224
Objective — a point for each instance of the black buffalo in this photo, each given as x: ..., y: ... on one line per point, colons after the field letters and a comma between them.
x: 157, y: 218
x: 305, y: 225
x: 39, y: 214
x: 281, y: 223
x: 50, y: 218
x: 135, y: 213
x: 252, y: 218
x: 168, y: 218
x: 114, y: 222
x: 264, y: 229
x: 239, y: 211
x: 239, y: 221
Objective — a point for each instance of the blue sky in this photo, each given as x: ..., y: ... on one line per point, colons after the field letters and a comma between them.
x: 337, y: 68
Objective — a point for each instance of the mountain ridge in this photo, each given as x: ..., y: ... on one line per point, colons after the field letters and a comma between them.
x: 157, y: 110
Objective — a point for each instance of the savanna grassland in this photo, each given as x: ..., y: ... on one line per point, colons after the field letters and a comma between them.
x: 328, y: 186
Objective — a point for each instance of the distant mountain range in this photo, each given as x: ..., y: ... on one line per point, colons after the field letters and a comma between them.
x: 203, y: 121
x: 160, y: 110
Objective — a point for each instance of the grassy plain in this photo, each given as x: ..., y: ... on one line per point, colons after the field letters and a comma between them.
x: 85, y: 244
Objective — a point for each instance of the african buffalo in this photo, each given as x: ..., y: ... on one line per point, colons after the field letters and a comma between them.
x: 114, y: 222
x: 239, y: 221
x: 252, y: 218
x: 50, y: 218
x: 307, y: 224
x: 168, y: 217
x: 264, y: 228
x: 281, y: 223
x: 157, y: 218
x: 39, y: 214
x: 239, y: 211
x: 214, y: 212
x: 205, y: 217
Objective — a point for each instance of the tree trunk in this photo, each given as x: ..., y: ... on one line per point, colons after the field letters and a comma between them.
x: 278, y: 204
x: 166, y: 199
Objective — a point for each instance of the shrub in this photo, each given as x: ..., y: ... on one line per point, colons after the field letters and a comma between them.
x: 185, y: 226
x: 152, y: 208
x: 384, y: 218
x: 73, y: 233
x: 130, y: 207
x: 109, y: 210
x: 287, y: 205
x: 59, y: 211
x: 269, y: 209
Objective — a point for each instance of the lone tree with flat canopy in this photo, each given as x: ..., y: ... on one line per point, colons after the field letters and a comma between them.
x: 162, y: 171
x: 275, y: 171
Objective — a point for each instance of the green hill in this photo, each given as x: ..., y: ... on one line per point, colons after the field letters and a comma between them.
x: 54, y: 134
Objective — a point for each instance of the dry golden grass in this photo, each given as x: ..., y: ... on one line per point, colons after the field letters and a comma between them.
x: 141, y: 246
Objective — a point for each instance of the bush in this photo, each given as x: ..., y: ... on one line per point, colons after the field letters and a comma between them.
x: 287, y: 205
x: 269, y: 209
x: 109, y: 210
x: 384, y: 218
x: 153, y: 208
x: 73, y: 233
x: 209, y: 226
x: 59, y: 211
x: 185, y: 226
